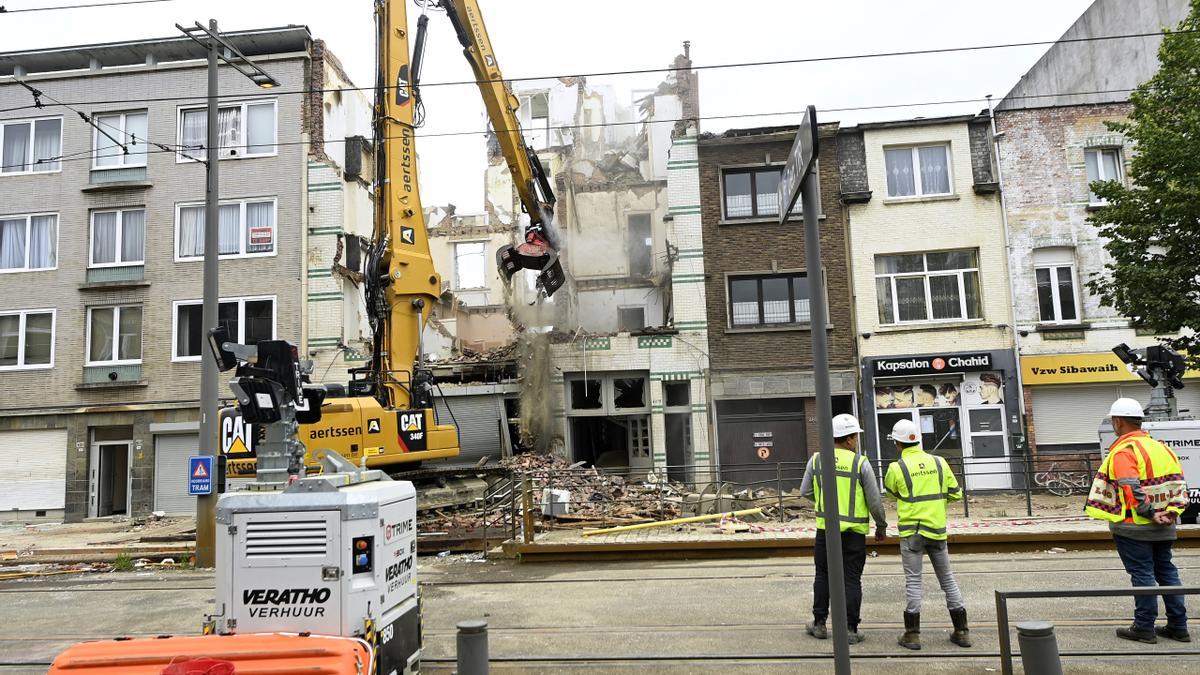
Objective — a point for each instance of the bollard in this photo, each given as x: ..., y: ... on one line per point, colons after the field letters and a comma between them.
x: 472, y: 647
x: 1039, y: 648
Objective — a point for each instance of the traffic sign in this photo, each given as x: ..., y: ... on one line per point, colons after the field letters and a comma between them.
x: 200, y: 475
x: 800, y: 161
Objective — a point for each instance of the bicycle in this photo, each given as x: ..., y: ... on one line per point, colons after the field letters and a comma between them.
x: 1062, y: 483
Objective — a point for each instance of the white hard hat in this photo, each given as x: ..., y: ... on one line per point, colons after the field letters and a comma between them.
x: 905, y: 432
x: 845, y: 425
x: 1126, y: 407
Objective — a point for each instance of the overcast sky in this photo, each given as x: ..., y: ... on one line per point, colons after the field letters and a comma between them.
x: 562, y: 37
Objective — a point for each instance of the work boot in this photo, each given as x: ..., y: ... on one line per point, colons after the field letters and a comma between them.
x: 912, y: 631
x: 961, y: 635
x: 1172, y: 633
x: 816, y: 629
x: 1137, y: 635
x: 854, y: 637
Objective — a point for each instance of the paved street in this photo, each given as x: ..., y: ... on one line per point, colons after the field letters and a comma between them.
x: 709, y: 616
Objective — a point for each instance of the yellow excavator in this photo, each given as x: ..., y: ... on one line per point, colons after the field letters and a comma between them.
x: 386, y: 416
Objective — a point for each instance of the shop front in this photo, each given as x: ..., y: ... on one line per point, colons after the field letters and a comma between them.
x: 964, y: 403
x: 1069, y: 395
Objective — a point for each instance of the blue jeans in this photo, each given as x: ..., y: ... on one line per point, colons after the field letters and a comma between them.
x: 1149, y: 564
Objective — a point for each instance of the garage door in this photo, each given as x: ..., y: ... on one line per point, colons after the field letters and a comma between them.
x: 170, y: 473
x: 478, y: 418
x: 1068, y: 415
x: 34, y: 475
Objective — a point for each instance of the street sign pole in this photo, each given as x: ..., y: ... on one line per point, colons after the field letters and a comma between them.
x: 799, y: 179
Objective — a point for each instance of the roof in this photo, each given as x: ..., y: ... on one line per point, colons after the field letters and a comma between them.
x: 917, y: 122
x: 252, y: 43
x: 785, y: 132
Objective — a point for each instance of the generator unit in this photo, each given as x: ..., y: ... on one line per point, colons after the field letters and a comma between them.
x: 333, y: 554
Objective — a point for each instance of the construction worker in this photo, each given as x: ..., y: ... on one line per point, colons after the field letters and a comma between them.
x: 857, y: 496
x: 922, y: 483
x: 1141, y: 492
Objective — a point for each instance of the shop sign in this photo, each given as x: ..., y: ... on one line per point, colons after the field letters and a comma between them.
x: 1078, y: 369
x: 932, y: 365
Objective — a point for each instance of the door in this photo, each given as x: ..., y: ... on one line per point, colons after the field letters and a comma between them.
x: 941, y: 434
x: 679, y: 444
x: 639, y: 443
x: 34, y: 477
x: 171, y: 473
x: 109, y: 479
x: 987, y: 465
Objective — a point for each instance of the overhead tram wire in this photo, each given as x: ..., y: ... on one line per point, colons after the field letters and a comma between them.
x: 167, y: 148
x: 97, y: 5
x: 668, y: 69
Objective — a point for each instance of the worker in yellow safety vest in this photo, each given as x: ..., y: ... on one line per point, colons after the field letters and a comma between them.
x: 857, y: 498
x: 922, y: 483
x: 1141, y: 492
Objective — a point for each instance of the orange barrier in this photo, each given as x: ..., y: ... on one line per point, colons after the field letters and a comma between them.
x: 277, y: 654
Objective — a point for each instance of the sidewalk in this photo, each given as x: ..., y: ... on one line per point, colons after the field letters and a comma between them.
x: 96, y: 541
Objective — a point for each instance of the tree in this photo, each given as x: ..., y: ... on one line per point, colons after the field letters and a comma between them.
x: 1153, y: 224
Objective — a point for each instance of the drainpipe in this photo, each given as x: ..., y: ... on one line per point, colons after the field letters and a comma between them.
x: 1012, y: 293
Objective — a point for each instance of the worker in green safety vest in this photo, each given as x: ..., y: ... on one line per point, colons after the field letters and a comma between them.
x: 857, y: 497
x: 922, y: 483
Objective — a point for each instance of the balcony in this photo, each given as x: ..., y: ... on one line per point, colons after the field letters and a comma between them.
x: 106, y: 278
x: 131, y: 177
x: 112, y: 377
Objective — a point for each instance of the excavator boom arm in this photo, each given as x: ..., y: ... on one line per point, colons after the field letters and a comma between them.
x: 538, y: 251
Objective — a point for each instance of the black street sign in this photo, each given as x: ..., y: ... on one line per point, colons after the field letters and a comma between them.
x: 932, y: 365
x: 800, y: 161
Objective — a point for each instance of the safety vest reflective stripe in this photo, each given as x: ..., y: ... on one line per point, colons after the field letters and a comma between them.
x: 852, y: 513
x: 1159, y: 475
x: 904, y: 527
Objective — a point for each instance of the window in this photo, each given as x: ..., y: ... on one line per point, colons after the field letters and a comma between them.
x: 631, y: 319
x: 28, y: 242
x: 1102, y: 164
x: 919, y: 171
x: 130, y: 129
x: 114, y: 335
x: 535, y: 120
x: 753, y: 193
x: 1054, y: 271
x: 246, y: 228
x: 118, y: 237
x: 248, y: 320
x: 640, y: 246
x: 676, y: 394
x: 243, y: 130
x: 470, y: 263
x: 936, y: 286
x: 30, y: 146
x: 768, y: 300
x: 27, y: 339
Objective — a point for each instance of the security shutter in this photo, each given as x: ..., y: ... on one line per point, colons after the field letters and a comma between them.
x: 1073, y: 414
x: 170, y: 473
x: 478, y: 418
x: 1188, y: 398
x: 34, y: 477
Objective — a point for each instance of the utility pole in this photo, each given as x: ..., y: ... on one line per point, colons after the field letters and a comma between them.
x: 210, y: 38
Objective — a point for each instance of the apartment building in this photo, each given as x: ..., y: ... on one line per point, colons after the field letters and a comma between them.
x: 1053, y: 144
x: 756, y: 300
x: 101, y: 246
x: 931, y: 291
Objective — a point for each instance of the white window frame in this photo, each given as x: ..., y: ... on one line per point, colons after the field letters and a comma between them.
x: 92, y: 264
x: 925, y: 275
x: 21, y: 338
x: 62, y: 130
x: 1054, y: 295
x: 916, y: 162
x: 458, y: 277
x: 240, y: 337
x: 241, y: 202
x: 536, y: 132
x: 1100, y: 150
x: 242, y: 146
x: 28, y: 228
x: 87, y: 345
x: 135, y: 158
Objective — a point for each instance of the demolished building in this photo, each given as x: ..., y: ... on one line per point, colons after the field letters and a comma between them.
x: 612, y: 367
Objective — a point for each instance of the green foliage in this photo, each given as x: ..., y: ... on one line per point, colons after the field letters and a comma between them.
x: 1153, y: 224
x: 123, y: 563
